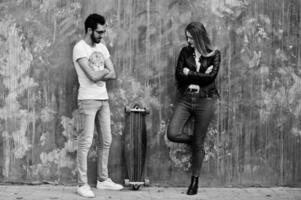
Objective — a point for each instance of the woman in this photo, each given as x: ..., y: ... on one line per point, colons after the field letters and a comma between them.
x: 196, y: 71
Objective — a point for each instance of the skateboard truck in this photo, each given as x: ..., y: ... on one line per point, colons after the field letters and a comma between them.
x: 136, y: 108
x: 136, y: 185
x: 134, y: 141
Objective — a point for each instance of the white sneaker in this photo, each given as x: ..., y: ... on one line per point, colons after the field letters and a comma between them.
x: 108, y: 185
x: 85, y: 191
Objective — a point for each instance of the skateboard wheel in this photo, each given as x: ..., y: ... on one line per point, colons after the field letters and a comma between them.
x: 146, y: 182
x: 127, y: 109
x: 146, y: 111
x: 135, y: 187
x: 126, y: 182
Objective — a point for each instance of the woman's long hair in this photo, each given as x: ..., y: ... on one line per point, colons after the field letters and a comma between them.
x: 200, y: 37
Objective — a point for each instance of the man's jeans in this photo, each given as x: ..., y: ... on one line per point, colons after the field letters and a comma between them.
x: 202, y: 109
x: 94, y: 113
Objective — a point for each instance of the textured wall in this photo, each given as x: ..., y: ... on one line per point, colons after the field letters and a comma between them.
x: 254, y: 138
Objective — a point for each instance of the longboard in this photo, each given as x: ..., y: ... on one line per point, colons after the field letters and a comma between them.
x: 135, y: 141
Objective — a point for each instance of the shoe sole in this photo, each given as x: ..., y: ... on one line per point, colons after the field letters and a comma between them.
x: 109, y: 189
x: 85, y: 196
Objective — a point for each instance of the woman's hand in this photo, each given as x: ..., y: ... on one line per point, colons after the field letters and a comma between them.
x: 209, y: 69
x: 186, y: 71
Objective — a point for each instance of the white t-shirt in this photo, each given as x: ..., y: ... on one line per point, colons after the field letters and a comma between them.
x: 96, y: 57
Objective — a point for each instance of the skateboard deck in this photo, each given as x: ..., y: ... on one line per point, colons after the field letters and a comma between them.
x: 135, y: 146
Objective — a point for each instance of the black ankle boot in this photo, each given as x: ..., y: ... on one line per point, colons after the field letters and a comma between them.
x: 193, y: 187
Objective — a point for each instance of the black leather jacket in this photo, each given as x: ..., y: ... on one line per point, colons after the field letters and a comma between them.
x: 205, y: 81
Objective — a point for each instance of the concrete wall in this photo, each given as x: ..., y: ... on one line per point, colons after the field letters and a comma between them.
x: 254, y: 138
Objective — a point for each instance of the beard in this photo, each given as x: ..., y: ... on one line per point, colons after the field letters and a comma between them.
x: 94, y: 39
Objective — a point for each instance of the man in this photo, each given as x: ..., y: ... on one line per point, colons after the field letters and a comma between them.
x: 94, y: 67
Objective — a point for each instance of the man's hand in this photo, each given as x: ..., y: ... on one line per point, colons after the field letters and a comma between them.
x: 106, y: 71
x: 94, y: 76
x: 186, y: 71
x: 110, y: 67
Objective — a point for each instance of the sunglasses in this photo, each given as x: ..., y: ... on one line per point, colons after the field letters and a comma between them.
x: 100, y: 32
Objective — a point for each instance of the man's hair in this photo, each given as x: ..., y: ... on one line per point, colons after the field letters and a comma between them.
x: 92, y: 21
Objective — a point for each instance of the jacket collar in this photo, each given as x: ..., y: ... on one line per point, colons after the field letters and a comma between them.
x: 191, y: 60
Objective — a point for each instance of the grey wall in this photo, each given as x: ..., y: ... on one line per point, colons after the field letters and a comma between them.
x: 254, y: 138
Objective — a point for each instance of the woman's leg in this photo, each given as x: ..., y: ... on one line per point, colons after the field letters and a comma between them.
x: 203, y: 114
x: 180, y: 116
x: 203, y: 111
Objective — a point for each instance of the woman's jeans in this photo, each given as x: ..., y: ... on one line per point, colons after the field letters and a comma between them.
x: 202, y: 109
x: 94, y: 113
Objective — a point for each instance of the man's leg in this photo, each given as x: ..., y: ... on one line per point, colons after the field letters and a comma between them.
x: 104, y: 139
x: 87, y: 109
x: 103, y: 124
